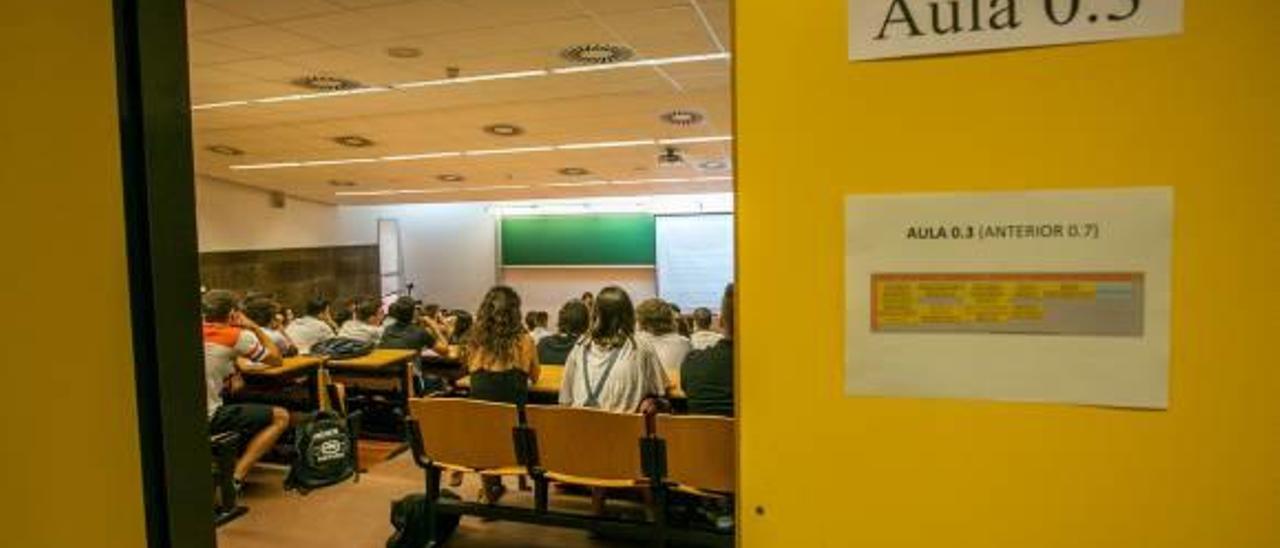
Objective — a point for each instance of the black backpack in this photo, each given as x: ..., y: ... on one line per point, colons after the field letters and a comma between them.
x: 409, y: 517
x: 342, y: 348
x: 325, y: 453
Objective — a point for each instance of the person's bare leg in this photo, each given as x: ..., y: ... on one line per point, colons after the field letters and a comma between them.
x: 262, y: 442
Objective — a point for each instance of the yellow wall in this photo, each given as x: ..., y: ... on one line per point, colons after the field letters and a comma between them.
x: 70, y: 459
x: 1199, y: 112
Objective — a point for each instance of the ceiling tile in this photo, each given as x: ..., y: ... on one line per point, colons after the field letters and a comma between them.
x: 273, y: 10
x: 263, y: 40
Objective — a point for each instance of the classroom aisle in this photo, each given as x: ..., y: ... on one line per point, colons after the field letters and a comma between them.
x: 356, y: 515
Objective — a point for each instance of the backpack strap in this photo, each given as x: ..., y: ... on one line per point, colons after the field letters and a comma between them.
x: 593, y: 393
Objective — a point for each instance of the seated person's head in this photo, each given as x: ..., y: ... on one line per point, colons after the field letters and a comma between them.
x: 431, y: 310
x: 531, y: 320
x: 726, y: 311
x: 702, y: 319
x: 368, y: 310
x: 573, y: 318
x: 218, y: 305
x: 317, y: 307
x: 461, y: 324
x: 543, y: 318
x: 261, y: 310
x: 614, y: 317
x: 403, y: 310
x: 655, y: 317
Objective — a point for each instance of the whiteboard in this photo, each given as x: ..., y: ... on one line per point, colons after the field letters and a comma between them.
x: 694, y: 259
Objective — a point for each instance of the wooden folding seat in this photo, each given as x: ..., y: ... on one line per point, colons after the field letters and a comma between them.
x: 588, y: 446
x: 701, y: 453
x: 467, y: 435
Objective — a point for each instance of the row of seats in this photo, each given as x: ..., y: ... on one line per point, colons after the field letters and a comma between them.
x: 692, y: 454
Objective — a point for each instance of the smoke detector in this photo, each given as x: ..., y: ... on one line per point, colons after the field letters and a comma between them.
x: 670, y: 156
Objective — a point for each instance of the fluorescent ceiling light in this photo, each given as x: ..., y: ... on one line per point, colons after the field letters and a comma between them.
x: 644, y: 63
x: 488, y: 152
x: 498, y: 187
x: 518, y: 150
x: 606, y: 144
x: 337, y: 162
x: 651, y: 181
x: 470, y: 79
x: 424, y: 156
x: 714, y: 178
x: 693, y: 140
x: 321, y: 95
x: 219, y: 105
x: 395, y: 192
x: 267, y: 166
x: 583, y: 183
x: 662, y: 61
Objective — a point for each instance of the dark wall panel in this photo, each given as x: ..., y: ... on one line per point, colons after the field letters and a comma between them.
x: 295, y: 275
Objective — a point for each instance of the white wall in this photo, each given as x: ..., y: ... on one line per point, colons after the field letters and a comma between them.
x: 232, y: 217
x: 548, y: 288
x: 450, y: 250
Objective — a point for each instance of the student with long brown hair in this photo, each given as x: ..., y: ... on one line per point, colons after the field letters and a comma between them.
x: 610, y: 368
x: 502, y: 359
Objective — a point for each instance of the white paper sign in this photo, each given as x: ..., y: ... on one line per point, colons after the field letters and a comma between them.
x: 881, y: 29
x: 1058, y: 296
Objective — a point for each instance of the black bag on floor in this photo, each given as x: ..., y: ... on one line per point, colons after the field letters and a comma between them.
x: 325, y: 453
x: 409, y: 517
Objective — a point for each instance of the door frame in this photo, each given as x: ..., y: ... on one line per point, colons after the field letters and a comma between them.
x: 160, y: 224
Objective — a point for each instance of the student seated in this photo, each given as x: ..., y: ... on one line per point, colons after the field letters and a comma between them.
x: 572, y: 323
x: 228, y: 335
x: 502, y: 360
x: 703, y: 336
x: 365, y: 324
x: 314, y: 327
x: 610, y: 368
x: 536, y: 322
x: 658, y: 328
x: 265, y: 312
x: 707, y: 374
x: 408, y: 331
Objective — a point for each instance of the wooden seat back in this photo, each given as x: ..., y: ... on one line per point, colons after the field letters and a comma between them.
x: 466, y: 433
x: 701, y: 451
x: 587, y: 443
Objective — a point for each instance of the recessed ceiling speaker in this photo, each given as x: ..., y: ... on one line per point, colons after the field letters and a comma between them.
x: 224, y: 150
x: 450, y: 178
x: 596, y: 54
x: 504, y: 130
x: 353, y: 141
x: 573, y: 171
x: 683, y: 117
x: 325, y: 83
x: 342, y: 183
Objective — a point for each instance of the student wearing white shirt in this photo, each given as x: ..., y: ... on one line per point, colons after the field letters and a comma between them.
x: 536, y: 322
x: 365, y: 324
x: 658, y: 329
x: 703, y: 335
x: 610, y: 368
x: 314, y: 327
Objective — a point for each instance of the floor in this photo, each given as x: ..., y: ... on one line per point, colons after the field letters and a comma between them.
x: 357, y: 515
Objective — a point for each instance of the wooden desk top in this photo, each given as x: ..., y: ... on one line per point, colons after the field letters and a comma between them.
x: 378, y: 359
x: 551, y: 376
x: 297, y: 365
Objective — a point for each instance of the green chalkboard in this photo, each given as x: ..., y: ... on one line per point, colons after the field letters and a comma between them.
x: 579, y: 240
